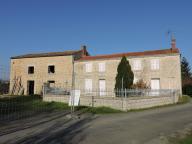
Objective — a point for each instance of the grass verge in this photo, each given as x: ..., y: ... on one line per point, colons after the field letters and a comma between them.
x: 184, y: 99
x: 186, y: 140
x: 98, y: 110
x: 9, y: 105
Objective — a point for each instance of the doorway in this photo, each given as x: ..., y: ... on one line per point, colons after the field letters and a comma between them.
x: 30, y: 86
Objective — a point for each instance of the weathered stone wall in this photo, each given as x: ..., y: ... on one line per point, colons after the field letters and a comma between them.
x: 169, y: 72
x: 62, y: 76
x: 118, y: 103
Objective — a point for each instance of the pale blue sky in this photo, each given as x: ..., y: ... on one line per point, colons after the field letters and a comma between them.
x: 105, y: 26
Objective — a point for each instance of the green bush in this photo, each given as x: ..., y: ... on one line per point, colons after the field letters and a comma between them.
x: 187, y: 89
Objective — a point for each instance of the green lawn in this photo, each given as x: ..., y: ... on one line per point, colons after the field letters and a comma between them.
x: 186, y: 140
x: 9, y: 105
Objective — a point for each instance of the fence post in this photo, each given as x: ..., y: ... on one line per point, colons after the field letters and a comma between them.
x: 126, y: 99
x: 92, y: 101
x: 121, y: 94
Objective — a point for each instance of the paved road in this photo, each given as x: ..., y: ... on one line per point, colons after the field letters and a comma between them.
x: 144, y: 127
x: 137, y: 128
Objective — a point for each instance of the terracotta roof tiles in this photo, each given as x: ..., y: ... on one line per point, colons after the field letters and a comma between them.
x: 145, y: 53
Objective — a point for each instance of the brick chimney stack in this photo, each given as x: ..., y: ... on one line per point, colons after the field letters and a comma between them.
x: 173, y: 42
x: 84, y: 50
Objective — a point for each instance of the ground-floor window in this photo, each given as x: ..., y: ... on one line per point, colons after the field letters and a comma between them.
x: 155, y: 83
x: 102, y: 87
x: 88, y: 85
x: 51, y: 83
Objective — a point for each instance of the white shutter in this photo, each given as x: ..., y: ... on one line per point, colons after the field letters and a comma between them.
x: 155, y: 64
x: 155, y: 84
x: 101, y: 67
x: 88, y: 67
x: 102, y: 87
x: 88, y: 85
x: 137, y: 65
x: 135, y: 80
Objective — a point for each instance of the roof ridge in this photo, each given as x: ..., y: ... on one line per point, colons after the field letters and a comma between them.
x: 47, y: 54
x: 143, y: 53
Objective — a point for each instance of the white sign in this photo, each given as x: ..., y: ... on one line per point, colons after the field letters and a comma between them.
x: 74, y: 97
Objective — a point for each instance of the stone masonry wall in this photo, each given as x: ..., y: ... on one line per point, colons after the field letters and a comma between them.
x: 118, y: 103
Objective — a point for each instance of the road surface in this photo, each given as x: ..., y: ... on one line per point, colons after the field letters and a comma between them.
x: 144, y: 127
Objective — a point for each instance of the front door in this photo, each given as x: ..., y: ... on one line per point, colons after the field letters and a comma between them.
x: 31, y: 86
x: 102, y: 87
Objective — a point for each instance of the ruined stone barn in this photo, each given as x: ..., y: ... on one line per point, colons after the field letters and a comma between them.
x: 159, y: 69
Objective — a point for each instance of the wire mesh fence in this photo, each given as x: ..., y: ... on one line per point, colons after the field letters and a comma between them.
x: 125, y: 99
x: 111, y: 93
x: 19, y: 107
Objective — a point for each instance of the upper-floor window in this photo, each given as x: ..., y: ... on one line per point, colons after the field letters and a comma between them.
x: 155, y: 64
x: 88, y: 67
x: 137, y: 65
x: 102, y: 67
x: 31, y: 70
x: 51, y: 69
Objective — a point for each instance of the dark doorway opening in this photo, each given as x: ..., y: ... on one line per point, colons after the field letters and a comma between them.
x: 31, y: 86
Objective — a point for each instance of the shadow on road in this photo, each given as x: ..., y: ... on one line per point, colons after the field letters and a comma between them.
x: 58, y: 133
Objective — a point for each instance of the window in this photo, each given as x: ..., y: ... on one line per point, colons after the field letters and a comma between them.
x: 135, y: 80
x: 88, y: 85
x: 51, y: 69
x: 102, y: 87
x: 137, y: 65
x: 31, y: 70
x: 155, y: 64
x: 51, y: 83
x: 88, y: 67
x: 101, y: 67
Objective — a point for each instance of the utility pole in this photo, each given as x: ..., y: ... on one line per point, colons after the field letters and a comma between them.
x: 73, y: 88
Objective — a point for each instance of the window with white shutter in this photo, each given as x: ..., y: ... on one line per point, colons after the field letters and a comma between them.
x: 88, y: 67
x: 135, y: 80
x: 155, y: 64
x: 101, y: 67
x: 137, y: 65
x: 88, y: 85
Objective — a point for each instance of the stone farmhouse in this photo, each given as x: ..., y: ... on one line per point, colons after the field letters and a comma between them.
x: 160, y: 69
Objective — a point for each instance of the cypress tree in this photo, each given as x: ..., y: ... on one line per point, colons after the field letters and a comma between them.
x: 125, y: 76
x: 185, y: 69
x: 186, y: 77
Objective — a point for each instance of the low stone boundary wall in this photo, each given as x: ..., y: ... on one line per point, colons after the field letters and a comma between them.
x: 129, y: 103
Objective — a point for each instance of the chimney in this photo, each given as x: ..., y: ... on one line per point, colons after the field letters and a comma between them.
x: 84, y: 50
x: 173, y: 42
